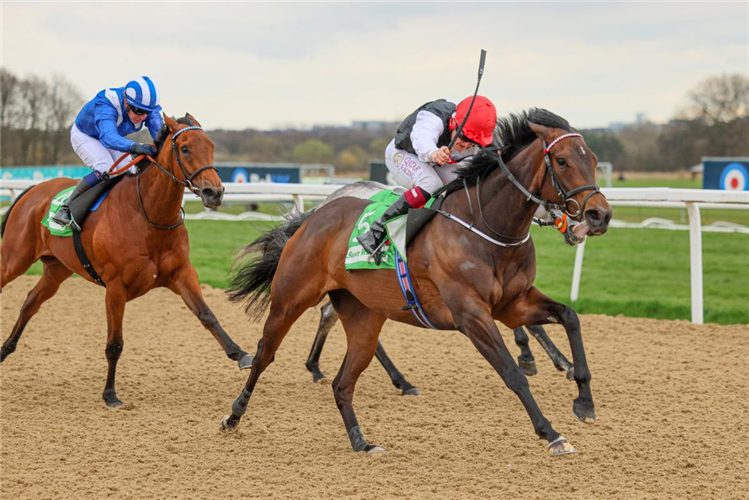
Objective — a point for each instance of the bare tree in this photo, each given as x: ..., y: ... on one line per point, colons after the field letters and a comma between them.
x: 34, y: 92
x: 63, y: 101
x: 720, y: 99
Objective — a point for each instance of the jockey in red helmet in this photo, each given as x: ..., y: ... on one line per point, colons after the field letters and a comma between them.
x: 419, y: 159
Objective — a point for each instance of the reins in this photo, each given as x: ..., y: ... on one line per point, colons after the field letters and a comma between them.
x: 559, y: 212
x: 549, y: 172
x: 186, y: 181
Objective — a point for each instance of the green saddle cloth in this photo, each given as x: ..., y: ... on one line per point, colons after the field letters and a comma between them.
x: 357, y: 257
x: 57, y: 202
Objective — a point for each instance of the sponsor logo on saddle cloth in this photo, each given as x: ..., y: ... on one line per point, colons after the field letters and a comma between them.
x: 58, y: 201
x: 357, y: 257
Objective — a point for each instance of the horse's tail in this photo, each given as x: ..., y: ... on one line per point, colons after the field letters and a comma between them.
x: 251, y: 278
x: 7, y: 214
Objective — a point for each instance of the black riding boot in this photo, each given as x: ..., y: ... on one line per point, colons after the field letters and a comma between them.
x: 373, y: 238
x: 62, y: 217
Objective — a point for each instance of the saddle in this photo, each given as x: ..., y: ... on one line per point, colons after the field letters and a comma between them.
x: 401, y: 229
x: 79, y: 210
x: 91, y: 199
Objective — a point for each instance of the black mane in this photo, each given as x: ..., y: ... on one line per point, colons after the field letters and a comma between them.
x: 512, y: 135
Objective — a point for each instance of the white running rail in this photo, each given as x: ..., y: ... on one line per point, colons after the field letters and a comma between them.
x: 692, y: 199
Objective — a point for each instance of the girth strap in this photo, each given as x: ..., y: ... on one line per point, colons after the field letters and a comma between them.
x: 412, y: 301
x: 78, y: 244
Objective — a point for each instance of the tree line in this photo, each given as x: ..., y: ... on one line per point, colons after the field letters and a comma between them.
x: 37, y: 113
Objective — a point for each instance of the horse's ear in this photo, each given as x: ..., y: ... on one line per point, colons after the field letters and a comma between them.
x: 171, y: 124
x: 193, y: 120
x: 541, y: 131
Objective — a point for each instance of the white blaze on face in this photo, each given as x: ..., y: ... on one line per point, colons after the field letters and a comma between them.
x: 582, y: 151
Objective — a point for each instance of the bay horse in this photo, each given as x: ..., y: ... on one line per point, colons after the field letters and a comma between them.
x: 465, y: 278
x: 136, y: 241
x: 328, y: 317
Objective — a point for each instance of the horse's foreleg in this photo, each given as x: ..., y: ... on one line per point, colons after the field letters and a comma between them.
x: 54, y: 274
x: 476, y: 322
x: 186, y: 285
x: 115, y: 302
x: 362, y: 327
x: 535, y: 308
x: 526, y: 361
x: 399, y: 381
x: 328, y: 318
x: 560, y: 361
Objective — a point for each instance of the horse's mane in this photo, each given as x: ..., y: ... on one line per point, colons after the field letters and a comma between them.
x: 512, y: 135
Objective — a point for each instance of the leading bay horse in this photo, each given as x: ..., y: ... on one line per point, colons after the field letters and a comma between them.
x: 328, y: 318
x: 135, y: 240
x: 472, y: 264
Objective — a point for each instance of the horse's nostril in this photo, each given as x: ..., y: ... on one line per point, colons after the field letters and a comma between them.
x: 210, y: 193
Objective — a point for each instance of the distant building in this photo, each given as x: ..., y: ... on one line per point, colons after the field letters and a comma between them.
x: 375, y: 126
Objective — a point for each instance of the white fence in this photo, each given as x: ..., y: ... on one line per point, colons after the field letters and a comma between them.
x: 692, y: 199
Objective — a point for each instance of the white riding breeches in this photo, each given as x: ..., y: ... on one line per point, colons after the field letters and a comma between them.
x: 94, y: 154
x: 410, y: 172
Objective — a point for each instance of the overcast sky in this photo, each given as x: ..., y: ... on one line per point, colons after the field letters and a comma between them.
x: 268, y: 65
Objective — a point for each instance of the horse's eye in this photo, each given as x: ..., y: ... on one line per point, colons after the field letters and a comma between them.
x: 560, y: 161
x: 185, y: 149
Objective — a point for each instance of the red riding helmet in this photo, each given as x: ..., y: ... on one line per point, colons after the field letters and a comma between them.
x: 481, y: 122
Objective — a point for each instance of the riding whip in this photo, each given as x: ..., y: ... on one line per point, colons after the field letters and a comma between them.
x: 468, y: 113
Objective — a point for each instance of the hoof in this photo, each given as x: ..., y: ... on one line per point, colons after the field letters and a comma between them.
x: 372, y: 449
x: 560, y: 446
x: 228, y: 424
x: 411, y: 391
x: 245, y: 362
x: 528, y: 367
x: 584, y: 413
x: 571, y: 372
x: 114, y: 404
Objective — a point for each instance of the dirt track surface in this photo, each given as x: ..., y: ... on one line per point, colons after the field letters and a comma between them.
x: 671, y: 401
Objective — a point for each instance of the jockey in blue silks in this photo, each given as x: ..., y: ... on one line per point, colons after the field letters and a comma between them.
x: 98, y: 135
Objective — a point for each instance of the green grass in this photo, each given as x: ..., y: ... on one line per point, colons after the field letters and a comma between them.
x: 646, y: 273
x: 634, y: 272
x: 677, y: 183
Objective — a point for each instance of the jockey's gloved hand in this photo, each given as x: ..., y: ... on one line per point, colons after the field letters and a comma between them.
x: 143, y: 149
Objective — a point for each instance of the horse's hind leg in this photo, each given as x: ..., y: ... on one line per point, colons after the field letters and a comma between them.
x: 328, y: 318
x: 54, y: 274
x: 399, y: 381
x: 282, y: 316
x: 526, y: 361
x: 15, y: 258
x: 362, y: 327
x: 560, y: 362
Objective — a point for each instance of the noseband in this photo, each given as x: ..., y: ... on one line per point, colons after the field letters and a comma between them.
x: 564, y: 194
x: 187, y: 182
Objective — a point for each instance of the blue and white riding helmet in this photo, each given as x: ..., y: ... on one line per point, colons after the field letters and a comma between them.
x: 142, y: 93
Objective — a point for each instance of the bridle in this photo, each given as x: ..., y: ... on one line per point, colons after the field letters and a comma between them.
x: 186, y: 180
x: 564, y: 194
x: 558, y: 212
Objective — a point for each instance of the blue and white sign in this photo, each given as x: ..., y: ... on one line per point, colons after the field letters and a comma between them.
x: 729, y: 174
x: 734, y: 177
